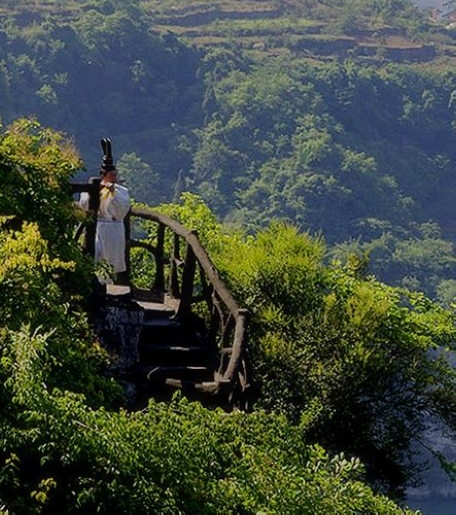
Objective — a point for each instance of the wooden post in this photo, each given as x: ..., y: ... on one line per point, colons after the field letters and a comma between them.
x: 174, y: 288
x: 188, y: 278
x: 94, y: 204
x: 159, y: 282
x: 127, y: 228
x: 92, y: 188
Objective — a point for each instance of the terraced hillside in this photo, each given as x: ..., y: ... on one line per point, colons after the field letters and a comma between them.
x: 264, y: 28
x: 268, y: 27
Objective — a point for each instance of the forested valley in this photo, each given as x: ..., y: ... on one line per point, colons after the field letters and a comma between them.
x: 311, y: 145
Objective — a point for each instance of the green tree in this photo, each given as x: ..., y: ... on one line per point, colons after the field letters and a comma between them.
x: 44, y: 277
x: 141, y: 180
x: 419, y: 259
x: 361, y: 364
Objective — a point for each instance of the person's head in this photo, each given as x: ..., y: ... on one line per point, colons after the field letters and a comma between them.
x: 108, y: 174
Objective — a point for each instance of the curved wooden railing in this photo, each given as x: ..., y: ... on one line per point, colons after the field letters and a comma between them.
x: 227, y: 324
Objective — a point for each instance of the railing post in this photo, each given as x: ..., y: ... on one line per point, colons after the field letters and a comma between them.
x: 127, y: 226
x: 238, y: 345
x: 188, y: 278
x: 159, y: 281
x: 94, y: 204
x: 174, y: 274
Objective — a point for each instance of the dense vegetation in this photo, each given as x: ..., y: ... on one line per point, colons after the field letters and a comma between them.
x: 362, y: 366
x: 66, y: 447
x: 335, y: 122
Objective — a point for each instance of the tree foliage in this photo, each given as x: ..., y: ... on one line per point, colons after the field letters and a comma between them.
x: 131, y: 86
x: 316, y: 147
x: 362, y: 365
x: 63, y: 448
x: 44, y: 277
x: 346, y: 145
x: 171, y: 459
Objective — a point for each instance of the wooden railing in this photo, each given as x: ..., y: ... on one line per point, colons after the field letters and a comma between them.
x: 89, y: 227
x: 177, y: 266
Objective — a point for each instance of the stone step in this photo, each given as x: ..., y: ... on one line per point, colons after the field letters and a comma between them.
x: 153, y: 310
x: 117, y: 290
x: 169, y: 332
x: 210, y: 387
x: 179, y: 372
x: 177, y: 337
x: 160, y: 322
x: 152, y: 304
x: 165, y: 354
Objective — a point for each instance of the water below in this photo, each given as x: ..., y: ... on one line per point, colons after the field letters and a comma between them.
x: 434, y: 506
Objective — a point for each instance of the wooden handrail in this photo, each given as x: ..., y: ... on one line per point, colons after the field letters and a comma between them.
x: 221, y: 295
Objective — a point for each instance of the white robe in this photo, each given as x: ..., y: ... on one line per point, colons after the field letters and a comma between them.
x: 110, y: 233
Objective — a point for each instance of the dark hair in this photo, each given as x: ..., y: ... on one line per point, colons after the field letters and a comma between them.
x: 107, y: 168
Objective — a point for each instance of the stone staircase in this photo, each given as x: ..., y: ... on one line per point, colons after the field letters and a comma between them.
x: 155, y: 352
x: 172, y: 354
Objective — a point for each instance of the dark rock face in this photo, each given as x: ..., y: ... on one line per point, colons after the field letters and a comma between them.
x: 118, y: 323
x: 119, y: 329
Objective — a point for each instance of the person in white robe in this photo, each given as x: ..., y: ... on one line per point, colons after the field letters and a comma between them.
x: 114, y: 207
x: 110, y: 233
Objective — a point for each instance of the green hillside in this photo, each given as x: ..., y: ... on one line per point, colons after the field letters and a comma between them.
x: 395, y: 31
x: 337, y: 116
x: 310, y: 30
